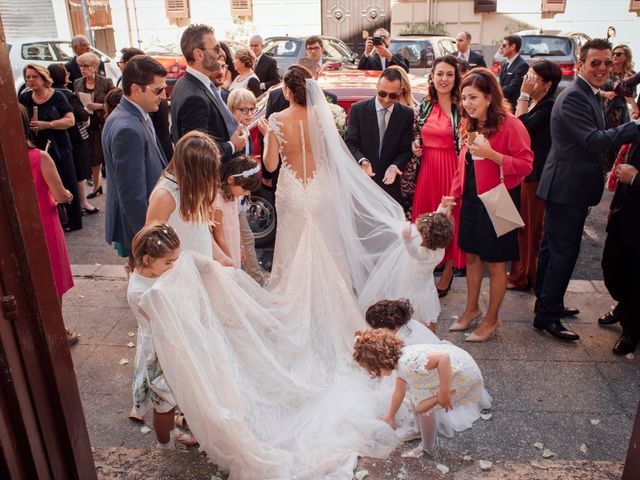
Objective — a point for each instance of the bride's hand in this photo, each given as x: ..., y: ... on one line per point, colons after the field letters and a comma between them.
x: 406, y: 231
x: 263, y: 126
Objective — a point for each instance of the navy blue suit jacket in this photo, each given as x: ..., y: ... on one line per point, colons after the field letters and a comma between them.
x: 511, y: 79
x: 134, y: 162
x: 573, y: 172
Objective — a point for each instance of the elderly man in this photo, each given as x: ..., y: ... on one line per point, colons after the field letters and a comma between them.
x: 572, y: 181
x: 133, y: 156
x: 196, y: 103
x: 463, y: 42
x: 266, y: 68
x: 513, y: 69
x: 80, y: 45
x: 377, y: 55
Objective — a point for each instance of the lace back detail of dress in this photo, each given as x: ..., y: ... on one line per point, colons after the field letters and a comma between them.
x: 275, y: 125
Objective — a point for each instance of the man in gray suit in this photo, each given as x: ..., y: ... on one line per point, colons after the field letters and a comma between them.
x: 134, y: 158
x: 572, y: 181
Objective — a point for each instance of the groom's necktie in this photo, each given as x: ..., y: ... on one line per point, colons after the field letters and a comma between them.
x: 382, y: 125
x: 229, y: 121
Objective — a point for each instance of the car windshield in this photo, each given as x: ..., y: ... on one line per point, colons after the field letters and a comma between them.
x: 541, y: 46
x: 282, y: 48
x: 413, y: 50
x: 37, y: 51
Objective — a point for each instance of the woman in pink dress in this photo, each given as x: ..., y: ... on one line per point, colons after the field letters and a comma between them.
x: 49, y: 190
x: 437, y: 148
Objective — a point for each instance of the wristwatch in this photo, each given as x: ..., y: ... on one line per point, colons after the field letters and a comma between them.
x: 524, y: 96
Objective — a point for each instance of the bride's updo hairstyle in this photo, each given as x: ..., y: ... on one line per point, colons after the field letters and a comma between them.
x: 295, y: 79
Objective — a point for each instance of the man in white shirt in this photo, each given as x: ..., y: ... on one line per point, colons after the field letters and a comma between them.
x: 463, y: 42
x: 266, y: 67
x: 513, y: 69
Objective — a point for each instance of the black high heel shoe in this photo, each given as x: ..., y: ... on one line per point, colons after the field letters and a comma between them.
x: 90, y: 211
x: 96, y: 193
x: 443, y: 293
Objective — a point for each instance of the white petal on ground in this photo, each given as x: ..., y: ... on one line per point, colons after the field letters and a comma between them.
x: 466, y: 458
x: 595, y: 421
x: 361, y: 474
x: 145, y: 429
x: 583, y: 448
x: 131, y: 344
x: 538, y: 445
x: 443, y: 469
x: 485, y: 464
x: 547, y: 453
x: 123, y: 361
x: 486, y: 416
x: 131, y: 334
x: 630, y: 356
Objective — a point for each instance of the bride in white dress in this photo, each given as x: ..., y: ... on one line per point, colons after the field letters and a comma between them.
x: 265, y: 376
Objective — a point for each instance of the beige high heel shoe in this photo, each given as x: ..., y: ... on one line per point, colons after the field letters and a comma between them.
x: 458, y: 327
x: 474, y: 337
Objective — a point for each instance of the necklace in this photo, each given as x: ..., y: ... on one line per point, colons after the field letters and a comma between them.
x: 40, y: 98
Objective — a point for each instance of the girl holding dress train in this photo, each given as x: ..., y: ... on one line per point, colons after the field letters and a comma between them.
x: 443, y: 380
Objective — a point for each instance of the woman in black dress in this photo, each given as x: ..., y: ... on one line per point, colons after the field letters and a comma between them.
x: 504, y: 150
x: 51, y: 117
x: 77, y: 134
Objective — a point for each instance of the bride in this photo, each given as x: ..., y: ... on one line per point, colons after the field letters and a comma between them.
x: 265, y: 376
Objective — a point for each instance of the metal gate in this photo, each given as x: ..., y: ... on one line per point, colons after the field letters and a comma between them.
x: 348, y: 19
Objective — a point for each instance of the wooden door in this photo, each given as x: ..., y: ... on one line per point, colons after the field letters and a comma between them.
x: 347, y: 19
x: 43, y: 433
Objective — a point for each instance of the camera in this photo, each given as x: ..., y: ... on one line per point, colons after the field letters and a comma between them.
x: 377, y: 41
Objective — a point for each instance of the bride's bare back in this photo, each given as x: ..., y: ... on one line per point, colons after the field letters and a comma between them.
x: 289, y: 130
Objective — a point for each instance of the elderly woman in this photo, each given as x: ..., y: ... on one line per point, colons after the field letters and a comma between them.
x: 242, y: 104
x: 77, y: 134
x: 537, y: 96
x: 243, y: 62
x: 97, y: 87
x: 503, y: 154
x: 51, y: 117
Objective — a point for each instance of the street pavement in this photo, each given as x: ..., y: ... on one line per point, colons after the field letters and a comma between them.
x: 576, y: 401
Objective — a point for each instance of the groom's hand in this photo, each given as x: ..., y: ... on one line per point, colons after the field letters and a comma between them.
x: 390, y: 175
x: 366, y: 167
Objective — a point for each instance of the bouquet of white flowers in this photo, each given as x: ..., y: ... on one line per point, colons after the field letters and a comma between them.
x: 339, y: 117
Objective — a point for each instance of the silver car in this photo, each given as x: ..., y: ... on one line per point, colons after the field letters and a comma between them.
x: 23, y: 51
x: 421, y: 50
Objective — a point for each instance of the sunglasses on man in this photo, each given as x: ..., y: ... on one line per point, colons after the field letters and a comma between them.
x: 596, y: 63
x: 157, y: 91
x: 391, y: 95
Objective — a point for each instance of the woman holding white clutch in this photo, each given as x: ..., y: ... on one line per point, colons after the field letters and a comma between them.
x: 497, y: 150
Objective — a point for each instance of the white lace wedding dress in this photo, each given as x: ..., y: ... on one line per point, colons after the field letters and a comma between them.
x: 265, y: 376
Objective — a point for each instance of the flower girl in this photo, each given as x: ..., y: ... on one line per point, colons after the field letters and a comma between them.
x: 239, y: 177
x: 154, y: 249
x: 442, y: 379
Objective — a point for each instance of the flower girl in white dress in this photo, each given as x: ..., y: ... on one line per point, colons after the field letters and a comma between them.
x: 442, y: 380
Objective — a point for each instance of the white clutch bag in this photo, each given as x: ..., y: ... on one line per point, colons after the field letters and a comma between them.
x: 503, y: 213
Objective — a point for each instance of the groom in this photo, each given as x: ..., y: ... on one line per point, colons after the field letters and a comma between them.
x: 380, y: 133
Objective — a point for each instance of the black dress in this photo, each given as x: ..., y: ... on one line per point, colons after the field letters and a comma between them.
x: 60, y: 149
x: 477, y: 234
x: 78, y: 135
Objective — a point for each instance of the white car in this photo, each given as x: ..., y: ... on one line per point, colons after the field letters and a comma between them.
x: 23, y: 51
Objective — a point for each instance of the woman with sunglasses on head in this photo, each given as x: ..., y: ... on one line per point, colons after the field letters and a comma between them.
x: 97, y: 87
x: 497, y: 145
x: 436, y: 148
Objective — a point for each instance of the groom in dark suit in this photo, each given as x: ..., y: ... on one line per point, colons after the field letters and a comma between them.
x: 513, y: 69
x: 572, y: 181
x: 380, y: 132
x: 196, y: 103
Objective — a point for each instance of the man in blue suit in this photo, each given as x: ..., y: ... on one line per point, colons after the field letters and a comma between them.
x: 572, y: 181
x: 134, y: 158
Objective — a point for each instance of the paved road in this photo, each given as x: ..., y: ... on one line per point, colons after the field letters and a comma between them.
x: 561, y: 395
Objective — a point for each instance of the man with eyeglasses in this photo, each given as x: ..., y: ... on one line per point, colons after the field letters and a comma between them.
x: 266, y: 67
x: 572, y: 181
x: 380, y: 133
x: 196, y: 103
x: 80, y: 45
x: 463, y: 43
x: 377, y: 55
x: 133, y: 156
x: 513, y: 69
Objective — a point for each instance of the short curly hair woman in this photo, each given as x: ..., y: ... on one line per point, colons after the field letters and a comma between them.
x: 377, y: 350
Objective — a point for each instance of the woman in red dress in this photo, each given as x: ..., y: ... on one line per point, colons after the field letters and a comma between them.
x: 437, y: 148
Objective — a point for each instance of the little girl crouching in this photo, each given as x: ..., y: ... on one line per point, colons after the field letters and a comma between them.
x: 154, y: 249
x: 442, y: 379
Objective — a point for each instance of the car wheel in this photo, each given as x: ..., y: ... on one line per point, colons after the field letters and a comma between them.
x: 262, y: 217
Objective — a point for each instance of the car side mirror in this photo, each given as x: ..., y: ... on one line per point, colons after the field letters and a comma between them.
x: 354, y: 57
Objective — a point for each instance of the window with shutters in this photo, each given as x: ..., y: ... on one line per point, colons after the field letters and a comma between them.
x: 554, y: 6
x: 634, y: 6
x: 485, y: 6
x: 242, y: 8
x: 177, y: 8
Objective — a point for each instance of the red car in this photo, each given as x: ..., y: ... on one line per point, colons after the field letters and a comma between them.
x: 350, y: 86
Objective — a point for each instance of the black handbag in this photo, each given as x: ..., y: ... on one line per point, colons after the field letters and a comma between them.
x: 62, y: 214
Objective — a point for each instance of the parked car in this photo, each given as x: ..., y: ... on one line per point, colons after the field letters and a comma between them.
x: 421, y: 50
x: 23, y: 51
x: 288, y: 50
x: 562, y: 49
x: 349, y: 86
x: 171, y: 58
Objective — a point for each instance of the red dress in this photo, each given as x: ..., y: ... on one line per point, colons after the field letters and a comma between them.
x: 53, y: 234
x: 437, y: 169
